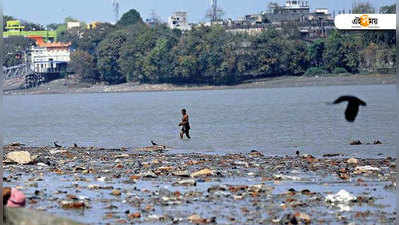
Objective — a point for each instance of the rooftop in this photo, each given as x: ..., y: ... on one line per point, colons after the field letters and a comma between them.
x: 40, y: 42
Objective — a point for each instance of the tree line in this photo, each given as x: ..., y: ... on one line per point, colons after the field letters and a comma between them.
x: 132, y: 51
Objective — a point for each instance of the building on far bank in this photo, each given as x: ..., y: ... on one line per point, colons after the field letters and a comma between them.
x: 318, y: 23
x: 72, y: 25
x: 179, y: 21
x: 294, y: 13
x: 14, y: 25
x: 14, y: 28
x: 50, y: 58
x: 294, y: 7
x: 93, y: 25
x: 312, y: 24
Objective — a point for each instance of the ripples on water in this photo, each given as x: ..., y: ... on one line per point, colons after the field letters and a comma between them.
x: 276, y: 121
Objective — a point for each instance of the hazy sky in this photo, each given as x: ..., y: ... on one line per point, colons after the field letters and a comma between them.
x: 50, y: 11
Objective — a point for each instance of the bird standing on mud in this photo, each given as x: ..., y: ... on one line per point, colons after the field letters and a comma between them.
x: 57, y: 145
x: 353, y: 106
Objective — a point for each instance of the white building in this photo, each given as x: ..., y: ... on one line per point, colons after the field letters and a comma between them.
x: 179, y: 21
x: 296, y: 4
x: 321, y: 11
x: 50, y: 57
x: 71, y: 25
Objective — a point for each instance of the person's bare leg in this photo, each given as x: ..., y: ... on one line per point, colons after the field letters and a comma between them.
x: 181, y: 135
x: 188, y: 134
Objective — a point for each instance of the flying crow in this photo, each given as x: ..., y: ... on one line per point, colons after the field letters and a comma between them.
x: 353, y: 106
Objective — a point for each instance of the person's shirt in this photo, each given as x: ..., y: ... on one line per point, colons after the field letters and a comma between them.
x: 184, y: 120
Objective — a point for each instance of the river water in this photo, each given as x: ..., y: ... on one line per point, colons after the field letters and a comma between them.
x: 276, y: 121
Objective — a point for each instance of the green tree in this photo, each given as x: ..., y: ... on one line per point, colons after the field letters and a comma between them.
x: 14, y: 50
x: 61, y: 29
x: 186, y: 70
x: 84, y: 65
x: 200, y: 55
x: 210, y: 55
x: 228, y: 69
x: 383, y: 38
x: 315, y: 52
x: 74, y: 35
x: 108, y: 55
x: 130, y: 18
x: 89, y: 39
x: 268, y: 50
x: 139, y: 42
x: 157, y: 62
x: 145, y: 56
x: 295, y: 58
x: 342, y: 50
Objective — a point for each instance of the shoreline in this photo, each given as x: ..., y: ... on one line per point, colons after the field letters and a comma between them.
x: 119, y: 186
x: 62, y: 86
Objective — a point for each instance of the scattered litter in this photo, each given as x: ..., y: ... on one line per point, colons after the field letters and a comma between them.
x: 341, y: 197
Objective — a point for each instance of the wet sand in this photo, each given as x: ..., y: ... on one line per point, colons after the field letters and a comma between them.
x: 63, y: 86
x: 126, y: 186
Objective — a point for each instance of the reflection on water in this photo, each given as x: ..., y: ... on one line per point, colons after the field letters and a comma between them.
x: 275, y: 121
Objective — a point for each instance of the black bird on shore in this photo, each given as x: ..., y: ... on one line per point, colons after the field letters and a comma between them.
x: 153, y: 143
x: 353, y: 106
x: 75, y: 145
x: 57, y: 145
x: 297, y: 153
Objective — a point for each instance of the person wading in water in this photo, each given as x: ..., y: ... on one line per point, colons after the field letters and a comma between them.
x: 185, y: 125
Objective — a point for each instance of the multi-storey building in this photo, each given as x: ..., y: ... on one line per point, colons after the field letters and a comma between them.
x: 14, y: 28
x: 49, y: 57
x: 294, y: 13
x: 179, y: 21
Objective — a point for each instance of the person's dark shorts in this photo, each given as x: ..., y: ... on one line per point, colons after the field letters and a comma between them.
x: 185, y: 129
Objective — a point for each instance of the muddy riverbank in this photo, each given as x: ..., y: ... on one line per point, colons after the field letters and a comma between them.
x: 126, y: 186
x: 63, y: 86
